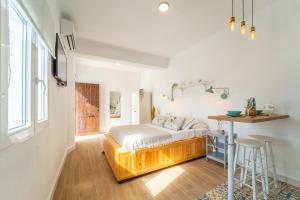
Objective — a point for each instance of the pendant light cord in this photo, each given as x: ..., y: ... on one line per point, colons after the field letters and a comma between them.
x: 243, y: 10
x: 232, y: 8
x: 252, y: 13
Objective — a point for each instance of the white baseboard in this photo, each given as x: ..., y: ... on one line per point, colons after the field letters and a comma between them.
x: 289, y: 180
x: 59, y: 170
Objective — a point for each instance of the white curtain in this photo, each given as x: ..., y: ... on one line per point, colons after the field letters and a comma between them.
x: 4, y: 57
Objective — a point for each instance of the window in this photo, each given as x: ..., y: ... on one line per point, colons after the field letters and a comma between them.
x: 26, y: 99
x: 19, y: 87
x: 42, y: 83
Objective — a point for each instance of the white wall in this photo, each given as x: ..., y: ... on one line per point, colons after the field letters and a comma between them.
x: 267, y: 68
x: 45, y: 15
x: 28, y: 170
x: 125, y: 82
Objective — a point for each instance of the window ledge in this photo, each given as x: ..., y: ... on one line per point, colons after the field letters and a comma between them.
x: 41, y: 125
x: 21, y: 136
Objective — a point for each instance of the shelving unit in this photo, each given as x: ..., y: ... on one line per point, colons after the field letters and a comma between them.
x: 216, y: 146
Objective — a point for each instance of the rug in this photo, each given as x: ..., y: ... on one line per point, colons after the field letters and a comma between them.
x: 283, y: 192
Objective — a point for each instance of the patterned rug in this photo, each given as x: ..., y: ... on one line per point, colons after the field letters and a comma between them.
x: 283, y: 192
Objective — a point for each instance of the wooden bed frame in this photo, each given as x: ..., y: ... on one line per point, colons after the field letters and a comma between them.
x: 127, y: 164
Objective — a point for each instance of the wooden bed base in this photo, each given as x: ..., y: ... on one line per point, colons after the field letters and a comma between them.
x: 126, y: 164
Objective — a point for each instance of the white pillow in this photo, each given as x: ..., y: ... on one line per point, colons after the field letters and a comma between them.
x: 198, y: 124
x: 159, y: 121
x: 174, y: 123
x: 187, y: 124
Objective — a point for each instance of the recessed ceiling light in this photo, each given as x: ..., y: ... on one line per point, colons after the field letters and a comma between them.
x: 163, y: 6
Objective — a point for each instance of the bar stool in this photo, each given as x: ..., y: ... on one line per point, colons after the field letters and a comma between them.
x: 255, y: 152
x: 268, y: 153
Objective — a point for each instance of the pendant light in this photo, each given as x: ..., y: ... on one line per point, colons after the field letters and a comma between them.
x: 252, y: 31
x: 243, y: 23
x: 232, y: 19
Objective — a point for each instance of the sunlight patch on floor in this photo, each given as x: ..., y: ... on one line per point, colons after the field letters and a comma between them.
x: 87, y: 138
x: 162, y: 180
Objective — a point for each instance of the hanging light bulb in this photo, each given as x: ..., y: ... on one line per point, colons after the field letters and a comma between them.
x: 252, y: 31
x: 243, y: 23
x: 232, y: 23
x: 243, y: 27
x: 232, y: 19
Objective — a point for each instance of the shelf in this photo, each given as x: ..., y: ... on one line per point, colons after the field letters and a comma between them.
x: 217, y: 156
x: 218, y: 134
x: 218, y: 145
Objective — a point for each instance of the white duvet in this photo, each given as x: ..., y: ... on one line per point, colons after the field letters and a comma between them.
x: 133, y: 137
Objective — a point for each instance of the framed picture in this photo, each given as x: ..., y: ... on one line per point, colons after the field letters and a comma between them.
x: 115, y: 104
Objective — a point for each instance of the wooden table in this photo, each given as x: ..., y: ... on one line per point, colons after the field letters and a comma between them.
x: 241, y: 119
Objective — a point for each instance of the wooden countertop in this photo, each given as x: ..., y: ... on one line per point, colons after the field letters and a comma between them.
x: 248, y: 119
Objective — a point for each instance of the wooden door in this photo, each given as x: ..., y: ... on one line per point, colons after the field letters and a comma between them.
x: 87, y: 109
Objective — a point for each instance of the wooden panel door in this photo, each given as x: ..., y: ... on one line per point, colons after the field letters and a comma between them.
x: 87, y: 109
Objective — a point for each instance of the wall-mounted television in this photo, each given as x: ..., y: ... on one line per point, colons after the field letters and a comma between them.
x: 59, y: 68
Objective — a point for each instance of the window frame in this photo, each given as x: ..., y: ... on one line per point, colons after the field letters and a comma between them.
x: 41, y: 123
x: 26, y: 131
x: 30, y: 58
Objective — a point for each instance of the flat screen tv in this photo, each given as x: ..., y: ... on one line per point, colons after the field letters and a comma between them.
x: 59, y: 68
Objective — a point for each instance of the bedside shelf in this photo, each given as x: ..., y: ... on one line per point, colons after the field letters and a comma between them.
x: 216, y: 146
x: 217, y: 156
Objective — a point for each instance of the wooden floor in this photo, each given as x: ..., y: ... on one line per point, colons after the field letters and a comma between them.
x: 87, y: 176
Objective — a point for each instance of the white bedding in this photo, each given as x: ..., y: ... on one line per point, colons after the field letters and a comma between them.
x: 133, y: 137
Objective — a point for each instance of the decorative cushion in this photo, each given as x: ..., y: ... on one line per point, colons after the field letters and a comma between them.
x: 159, y: 121
x: 198, y: 124
x: 174, y: 123
x: 187, y: 124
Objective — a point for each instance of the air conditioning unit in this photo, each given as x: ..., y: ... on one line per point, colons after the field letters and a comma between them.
x: 67, y: 33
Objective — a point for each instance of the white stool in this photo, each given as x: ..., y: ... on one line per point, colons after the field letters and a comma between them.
x: 268, y: 153
x: 255, y: 152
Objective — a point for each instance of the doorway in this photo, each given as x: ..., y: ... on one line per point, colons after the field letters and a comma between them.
x: 87, y: 109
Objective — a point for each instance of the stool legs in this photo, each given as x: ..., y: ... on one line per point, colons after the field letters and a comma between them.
x: 246, y: 168
x: 272, y: 164
x: 268, y: 160
x: 263, y: 178
x: 236, y: 157
x: 266, y: 168
x: 243, y: 170
x: 255, y: 162
x: 253, y: 158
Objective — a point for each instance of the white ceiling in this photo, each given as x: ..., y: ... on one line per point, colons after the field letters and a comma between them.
x: 138, y: 25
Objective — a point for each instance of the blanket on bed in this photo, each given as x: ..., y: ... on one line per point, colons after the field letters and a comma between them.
x: 133, y: 137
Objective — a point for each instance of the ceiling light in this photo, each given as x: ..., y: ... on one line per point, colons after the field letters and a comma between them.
x: 252, y: 31
x: 243, y: 27
x: 163, y: 7
x: 232, y: 19
x: 243, y: 23
x: 253, y: 34
x: 232, y: 23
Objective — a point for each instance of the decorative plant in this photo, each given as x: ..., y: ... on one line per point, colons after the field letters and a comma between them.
x: 250, y: 109
x: 153, y: 112
x: 142, y: 93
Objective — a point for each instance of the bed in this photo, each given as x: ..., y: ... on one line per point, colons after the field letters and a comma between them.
x: 134, y: 150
